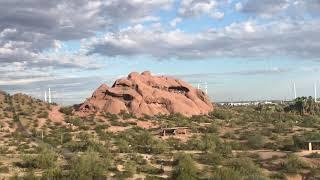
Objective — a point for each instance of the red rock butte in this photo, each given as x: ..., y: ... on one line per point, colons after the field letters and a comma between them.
x: 145, y: 94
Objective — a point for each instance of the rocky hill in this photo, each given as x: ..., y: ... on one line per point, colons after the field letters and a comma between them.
x: 145, y: 94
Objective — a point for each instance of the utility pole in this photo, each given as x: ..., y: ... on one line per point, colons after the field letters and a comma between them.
x: 294, y: 90
x: 315, y: 92
x: 206, y: 87
x: 49, y: 95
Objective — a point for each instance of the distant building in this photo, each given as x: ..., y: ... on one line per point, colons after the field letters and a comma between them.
x: 252, y: 103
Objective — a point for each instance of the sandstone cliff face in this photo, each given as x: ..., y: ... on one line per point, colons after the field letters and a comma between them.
x: 144, y: 94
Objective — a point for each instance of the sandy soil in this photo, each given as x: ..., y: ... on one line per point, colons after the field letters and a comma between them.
x: 55, y: 115
x: 115, y: 129
x: 146, y: 124
x: 294, y: 177
x: 41, y: 122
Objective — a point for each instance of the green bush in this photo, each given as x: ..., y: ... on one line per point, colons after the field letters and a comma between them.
x: 256, y: 141
x: 66, y: 110
x: 53, y: 174
x: 226, y: 174
x: 130, y: 169
x: 221, y: 114
x: 185, y: 168
x: 148, y: 169
x: 43, y: 114
x: 314, y: 155
x: 293, y: 164
x: 244, y: 165
x: 89, y: 166
x: 45, y: 159
x: 4, y: 169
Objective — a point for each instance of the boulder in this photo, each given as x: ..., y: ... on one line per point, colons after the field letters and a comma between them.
x: 145, y: 94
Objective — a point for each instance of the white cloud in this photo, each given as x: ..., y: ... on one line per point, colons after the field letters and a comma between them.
x: 247, y: 39
x: 195, y: 8
x: 280, y: 8
x: 175, y: 21
x: 30, y: 28
x: 238, y: 6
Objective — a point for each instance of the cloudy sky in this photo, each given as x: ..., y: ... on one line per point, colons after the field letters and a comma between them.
x: 243, y: 49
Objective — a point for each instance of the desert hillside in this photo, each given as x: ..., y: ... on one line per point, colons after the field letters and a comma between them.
x: 47, y: 141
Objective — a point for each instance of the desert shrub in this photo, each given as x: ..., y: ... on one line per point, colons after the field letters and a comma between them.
x: 226, y: 174
x: 4, y: 150
x: 30, y: 176
x: 148, y: 144
x: 185, y: 168
x: 212, y: 158
x: 293, y: 164
x: 256, y: 177
x: 123, y: 146
x: 236, y: 145
x: 282, y: 127
x: 229, y: 135
x: 45, y: 159
x: 279, y: 176
x: 210, y: 142
x: 243, y: 165
x: 221, y: 114
x: 101, y: 127
x: 53, y: 174
x: 309, y: 121
x: 138, y: 159
x: 89, y: 166
x: 148, y: 177
x: 256, y: 141
x: 299, y: 141
x: 16, y: 117
x: 314, y: 155
x: 75, y: 121
x: 288, y: 144
x: 148, y: 169
x: 200, y: 119
x: 110, y: 116
x: 224, y: 149
x: 143, y: 141
x: 126, y: 115
x: 212, y: 128
x: 130, y: 169
x: 4, y: 169
x: 43, y: 114
x: 122, y: 124
x: 194, y: 143
x: 66, y: 110
x: 175, y: 143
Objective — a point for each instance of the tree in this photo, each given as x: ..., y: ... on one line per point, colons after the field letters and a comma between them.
x: 185, y: 168
x: 300, y: 104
